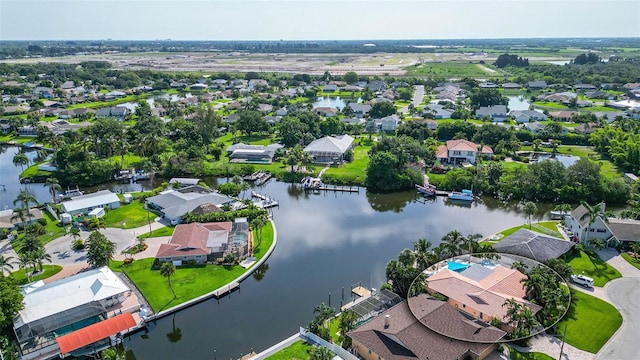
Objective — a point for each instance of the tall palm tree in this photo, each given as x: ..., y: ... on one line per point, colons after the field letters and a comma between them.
x: 24, y: 262
x: 20, y: 159
x: 593, y: 213
x: 6, y: 263
x: 25, y: 198
x: 424, y: 255
x: 96, y: 223
x: 54, y: 185
x: 167, y: 269
x: 529, y: 209
x: 20, y: 214
x: 454, y: 241
x: 39, y: 256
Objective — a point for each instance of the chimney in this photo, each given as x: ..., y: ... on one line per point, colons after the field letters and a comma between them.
x: 386, y: 321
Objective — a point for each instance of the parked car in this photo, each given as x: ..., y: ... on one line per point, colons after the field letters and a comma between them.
x: 582, y: 280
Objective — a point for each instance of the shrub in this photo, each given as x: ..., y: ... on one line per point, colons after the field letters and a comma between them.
x: 78, y: 244
x: 127, y: 261
x: 42, y: 221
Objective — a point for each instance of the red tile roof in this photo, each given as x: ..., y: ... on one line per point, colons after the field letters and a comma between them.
x: 191, y: 239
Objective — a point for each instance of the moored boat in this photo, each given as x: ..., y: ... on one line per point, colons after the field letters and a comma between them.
x: 464, y: 195
x: 427, y: 189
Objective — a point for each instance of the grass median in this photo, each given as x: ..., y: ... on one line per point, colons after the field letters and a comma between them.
x: 593, y: 267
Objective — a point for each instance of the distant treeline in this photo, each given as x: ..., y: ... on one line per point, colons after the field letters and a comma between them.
x: 505, y: 60
x: 18, y: 49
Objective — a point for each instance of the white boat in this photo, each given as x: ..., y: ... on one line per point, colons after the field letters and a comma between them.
x: 427, y: 190
x: 557, y: 215
x: 464, y: 195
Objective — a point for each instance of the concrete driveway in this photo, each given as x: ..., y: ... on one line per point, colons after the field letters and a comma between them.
x: 624, y: 294
x: 418, y: 95
x: 62, y: 254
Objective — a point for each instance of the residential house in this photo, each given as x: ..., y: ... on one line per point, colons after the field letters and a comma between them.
x: 563, y: 115
x: 525, y: 116
x: 28, y: 131
x: 282, y: 111
x: 265, y: 108
x: 535, y: 127
x: 118, y: 112
x: 538, y: 84
x: 481, y: 290
x: 533, y: 245
x: 423, y: 328
x: 231, y: 118
x: 326, y: 111
x: 243, y: 153
x: 329, y: 88
x: 353, y: 121
x: 511, y: 86
x: 85, y: 203
x: 359, y: 110
x: 461, y: 151
x: 611, y: 231
x: 113, y: 95
x: 43, y: 92
x: 329, y: 149
x: 584, y: 87
x: 253, y: 83
x: 199, y: 87
x: 377, y: 85
x: 205, y: 242
x: 487, y: 85
x: 173, y: 204
x: 585, y: 128
x: 351, y: 88
x: 60, y: 126
x: 7, y: 220
x: 497, y: 113
x: 561, y: 97
x: 388, y: 124
x: 180, y: 182
x: 437, y: 111
x: 431, y: 124
x: 77, y: 313
x: 630, y: 178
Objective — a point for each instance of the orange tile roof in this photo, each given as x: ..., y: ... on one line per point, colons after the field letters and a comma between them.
x: 442, y: 152
x: 191, y: 239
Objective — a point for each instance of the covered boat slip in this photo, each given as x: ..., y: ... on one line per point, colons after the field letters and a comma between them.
x: 96, y: 332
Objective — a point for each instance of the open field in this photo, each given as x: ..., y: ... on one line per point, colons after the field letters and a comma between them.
x: 315, y: 64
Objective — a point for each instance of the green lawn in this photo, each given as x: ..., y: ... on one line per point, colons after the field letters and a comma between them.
x: 595, y: 268
x: 299, y: 350
x: 631, y: 260
x: 516, y: 355
x: 188, y: 282
x: 163, y: 231
x: 590, y: 322
x: 351, y: 173
x: 128, y: 216
x: 47, y: 271
x: 545, y: 227
x: 54, y: 230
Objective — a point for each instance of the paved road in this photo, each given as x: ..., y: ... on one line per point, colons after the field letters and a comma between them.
x: 418, y: 95
x: 624, y: 294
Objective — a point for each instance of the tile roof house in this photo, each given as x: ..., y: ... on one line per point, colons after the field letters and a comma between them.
x: 563, y: 115
x: 326, y: 111
x: 118, y: 112
x: 360, y: 110
x: 534, y: 127
x: 538, y: 84
x: 329, y: 149
x: 437, y: 111
x: 329, y: 88
x: 403, y: 332
x: 7, y: 223
x: 497, y: 113
x: 533, y: 245
x: 199, y: 242
x: 511, y: 86
x: 481, y: 290
x: 460, y: 151
x: 611, y: 231
x: 586, y: 128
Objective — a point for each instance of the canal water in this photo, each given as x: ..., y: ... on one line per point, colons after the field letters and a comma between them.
x: 326, y: 242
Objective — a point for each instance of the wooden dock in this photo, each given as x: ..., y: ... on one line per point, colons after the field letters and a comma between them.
x: 353, y: 189
x: 264, y: 201
x: 226, y: 290
x: 361, y: 291
x: 442, y: 193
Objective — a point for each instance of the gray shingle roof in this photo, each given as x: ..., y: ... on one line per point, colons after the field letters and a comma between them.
x: 625, y: 230
x: 533, y: 245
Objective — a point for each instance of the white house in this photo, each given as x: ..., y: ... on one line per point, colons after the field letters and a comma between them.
x: 611, y: 231
x: 57, y: 316
x: 525, y: 116
x: 85, y: 203
x: 329, y: 149
x: 497, y: 113
x: 175, y: 203
x: 461, y: 151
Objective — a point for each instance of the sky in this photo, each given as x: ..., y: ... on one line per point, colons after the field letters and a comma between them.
x: 315, y: 19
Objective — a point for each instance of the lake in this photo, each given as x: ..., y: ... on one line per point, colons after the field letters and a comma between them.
x: 334, y: 102
x: 326, y: 242
x: 518, y: 103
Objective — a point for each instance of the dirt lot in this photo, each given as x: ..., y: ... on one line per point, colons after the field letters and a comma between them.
x: 314, y: 64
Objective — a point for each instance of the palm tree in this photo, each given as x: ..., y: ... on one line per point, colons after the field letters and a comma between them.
x: 348, y: 322
x: 24, y: 261
x: 597, y: 244
x: 114, y: 353
x: 6, y: 263
x: 167, y: 269
x: 593, y: 213
x: 320, y: 353
x: 100, y: 250
x: 20, y: 159
x: 256, y: 225
x: 39, y: 256
x: 564, y: 209
x: 20, y: 214
x: 25, y: 198
x: 529, y: 209
x: 520, y: 266
x: 95, y: 223
x: 424, y: 255
x: 453, y: 242
x: 54, y: 185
